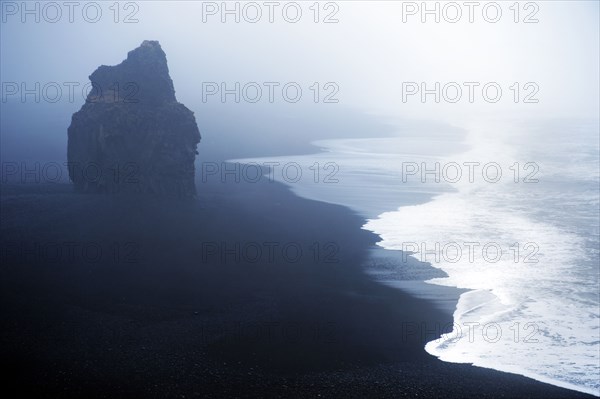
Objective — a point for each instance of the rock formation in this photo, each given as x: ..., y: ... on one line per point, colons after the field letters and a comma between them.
x: 132, y: 135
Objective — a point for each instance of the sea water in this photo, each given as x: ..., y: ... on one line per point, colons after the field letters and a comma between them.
x: 509, y: 211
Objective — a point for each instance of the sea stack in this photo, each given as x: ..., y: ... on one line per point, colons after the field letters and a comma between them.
x: 131, y: 135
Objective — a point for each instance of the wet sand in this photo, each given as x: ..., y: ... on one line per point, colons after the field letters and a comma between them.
x: 250, y: 291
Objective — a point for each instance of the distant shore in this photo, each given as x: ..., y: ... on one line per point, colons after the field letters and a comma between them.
x: 177, y: 301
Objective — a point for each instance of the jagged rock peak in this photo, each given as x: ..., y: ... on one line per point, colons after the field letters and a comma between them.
x: 132, y: 135
x: 142, y: 77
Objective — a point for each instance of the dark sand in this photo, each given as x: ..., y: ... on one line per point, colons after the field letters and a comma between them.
x: 110, y: 297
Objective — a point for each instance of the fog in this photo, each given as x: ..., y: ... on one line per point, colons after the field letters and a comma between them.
x: 365, y: 57
x: 427, y: 118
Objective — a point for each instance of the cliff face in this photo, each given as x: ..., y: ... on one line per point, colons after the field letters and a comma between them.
x: 132, y: 135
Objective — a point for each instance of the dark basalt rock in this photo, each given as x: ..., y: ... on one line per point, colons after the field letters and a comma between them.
x: 131, y: 135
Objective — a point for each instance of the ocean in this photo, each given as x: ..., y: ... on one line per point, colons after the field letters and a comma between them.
x: 507, y: 210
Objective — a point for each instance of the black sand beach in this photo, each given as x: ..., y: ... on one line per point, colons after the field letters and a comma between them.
x: 108, y: 296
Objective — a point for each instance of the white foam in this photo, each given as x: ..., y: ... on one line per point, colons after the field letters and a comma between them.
x: 545, y: 313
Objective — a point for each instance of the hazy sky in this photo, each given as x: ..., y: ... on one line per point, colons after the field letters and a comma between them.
x: 368, y: 53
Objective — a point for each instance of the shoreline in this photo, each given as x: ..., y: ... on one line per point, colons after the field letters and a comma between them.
x: 444, y: 295
x: 169, y: 324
